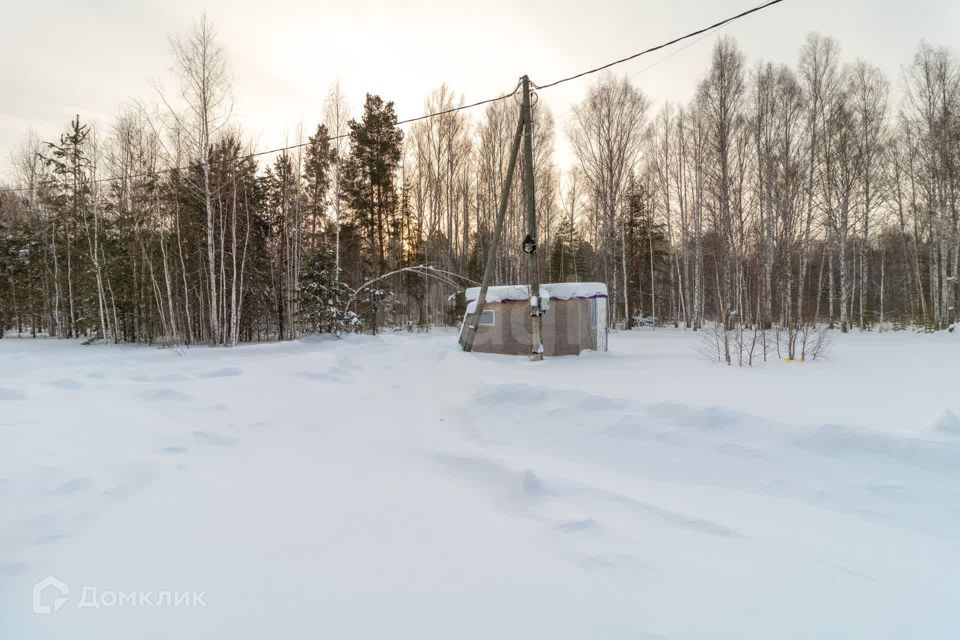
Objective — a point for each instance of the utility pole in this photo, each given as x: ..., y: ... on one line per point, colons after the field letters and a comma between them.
x: 524, y: 133
x: 530, y: 242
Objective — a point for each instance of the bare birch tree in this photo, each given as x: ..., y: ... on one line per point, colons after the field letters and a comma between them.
x: 607, y: 136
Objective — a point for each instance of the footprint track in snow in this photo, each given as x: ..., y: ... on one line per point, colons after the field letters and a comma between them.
x: 67, y: 384
x: 164, y: 377
x: 173, y: 450
x: 214, y: 439
x: 72, y: 486
x: 11, y: 394
x: 129, y: 480
x: 165, y: 395
x: 13, y: 568
x: 224, y: 372
x: 582, y: 526
x: 50, y: 538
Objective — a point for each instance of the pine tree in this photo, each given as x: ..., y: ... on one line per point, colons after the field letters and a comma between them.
x: 21, y: 277
x: 370, y: 175
x: 323, y: 295
x: 647, y: 256
x: 566, y: 259
x: 282, y: 194
x: 316, y: 173
x: 70, y: 196
x: 370, y: 185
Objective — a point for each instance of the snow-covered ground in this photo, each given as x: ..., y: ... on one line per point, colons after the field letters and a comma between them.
x: 395, y: 487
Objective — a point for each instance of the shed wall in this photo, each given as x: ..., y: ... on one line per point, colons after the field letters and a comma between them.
x: 567, y: 328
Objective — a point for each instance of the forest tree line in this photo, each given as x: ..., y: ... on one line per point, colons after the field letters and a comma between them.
x: 777, y: 197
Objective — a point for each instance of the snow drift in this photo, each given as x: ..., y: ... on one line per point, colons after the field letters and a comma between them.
x: 397, y: 487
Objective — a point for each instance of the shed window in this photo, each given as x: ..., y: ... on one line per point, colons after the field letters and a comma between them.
x: 593, y: 313
x: 488, y: 318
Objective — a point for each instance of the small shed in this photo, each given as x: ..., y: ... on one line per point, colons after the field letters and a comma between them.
x: 574, y: 318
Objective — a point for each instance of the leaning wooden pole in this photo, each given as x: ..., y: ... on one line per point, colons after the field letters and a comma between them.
x: 530, y: 242
x: 471, y: 329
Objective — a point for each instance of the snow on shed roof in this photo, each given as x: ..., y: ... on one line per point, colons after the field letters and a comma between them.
x: 557, y: 291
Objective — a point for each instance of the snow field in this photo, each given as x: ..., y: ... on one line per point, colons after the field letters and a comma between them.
x: 394, y: 486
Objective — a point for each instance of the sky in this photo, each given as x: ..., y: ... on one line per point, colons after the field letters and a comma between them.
x: 92, y: 57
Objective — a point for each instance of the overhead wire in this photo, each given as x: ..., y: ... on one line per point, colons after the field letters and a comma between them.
x: 672, y: 53
x: 299, y: 145
x: 703, y: 32
x: 692, y: 34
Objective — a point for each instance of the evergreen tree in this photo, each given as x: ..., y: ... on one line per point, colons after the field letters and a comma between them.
x: 370, y: 176
x: 316, y: 173
x: 647, y: 256
x: 21, y: 278
x: 566, y: 259
x: 282, y: 201
x: 323, y: 295
x: 69, y: 198
x: 370, y: 188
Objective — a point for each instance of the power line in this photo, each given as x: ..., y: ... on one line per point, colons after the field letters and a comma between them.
x: 426, y: 116
x: 299, y: 145
x: 671, y: 54
x: 464, y: 107
x: 692, y: 34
